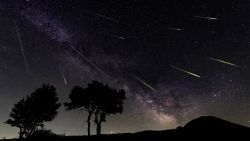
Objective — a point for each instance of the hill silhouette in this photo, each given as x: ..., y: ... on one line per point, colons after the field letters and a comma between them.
x: 210, y: 127
x: 206, y: 123
x: 202, y: 128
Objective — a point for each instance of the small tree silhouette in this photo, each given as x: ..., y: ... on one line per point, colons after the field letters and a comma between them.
x: 32, y: 111
x: 98, y: 99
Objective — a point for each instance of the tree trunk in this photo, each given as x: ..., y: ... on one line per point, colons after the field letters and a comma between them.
x: 20, y: 134
x: 32, y: 130
x: 98, y: 128
x: 98, y: 123
x: 88, y: 121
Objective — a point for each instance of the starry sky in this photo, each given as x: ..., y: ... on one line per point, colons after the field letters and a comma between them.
x: 176, y: 60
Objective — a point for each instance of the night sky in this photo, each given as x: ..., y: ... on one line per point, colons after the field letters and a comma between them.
x: 175, y: 60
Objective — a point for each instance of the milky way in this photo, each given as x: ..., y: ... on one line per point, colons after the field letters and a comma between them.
x: 130, y: 45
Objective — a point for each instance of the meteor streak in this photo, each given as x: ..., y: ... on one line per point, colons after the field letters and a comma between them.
x: 206, y: 18
x: 63, y: 76
x: 101, y: 16
x: 120, y: 37
x: 144, y: 83
x: 21, y: 47
x: 88, y: 60
x: 176, y: 29
x: 188, y: 72
x: 222, y: 61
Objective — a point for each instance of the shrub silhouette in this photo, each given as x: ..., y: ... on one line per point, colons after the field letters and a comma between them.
x: 97, y: 99
x: 32, y: 111
x: 42, y: 134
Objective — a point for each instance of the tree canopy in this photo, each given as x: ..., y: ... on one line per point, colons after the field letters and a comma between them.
x: 32, y: 111
x: 97, y: 98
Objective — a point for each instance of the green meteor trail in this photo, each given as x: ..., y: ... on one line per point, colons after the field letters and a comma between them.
x: 144, y: 83
x: 187, y: 72
x: 222, y: 61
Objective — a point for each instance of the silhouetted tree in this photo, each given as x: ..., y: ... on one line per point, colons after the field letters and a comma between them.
x: 32, y: 111
x: 98, y: 99
x: 109, y: 101
x: 82, y: 99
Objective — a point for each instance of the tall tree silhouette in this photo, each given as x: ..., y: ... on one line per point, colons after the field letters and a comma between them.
x: 96, y: 99
x: 109, y: 101
x: 32, y: 111
x: 82, y: 99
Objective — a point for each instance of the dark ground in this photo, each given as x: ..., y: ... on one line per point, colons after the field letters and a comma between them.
x: 203, y: 128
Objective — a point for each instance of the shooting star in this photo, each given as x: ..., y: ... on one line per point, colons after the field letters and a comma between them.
x: 63, y: 76
x: 188, y: 72
x: 176, y: 29
x: 21, y: 47
x: 206, y: 18
x: 88, y: 60
x: 222, y: 61
x: 101, y: 16
x: 119, y: 37
x: 144, y: 83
